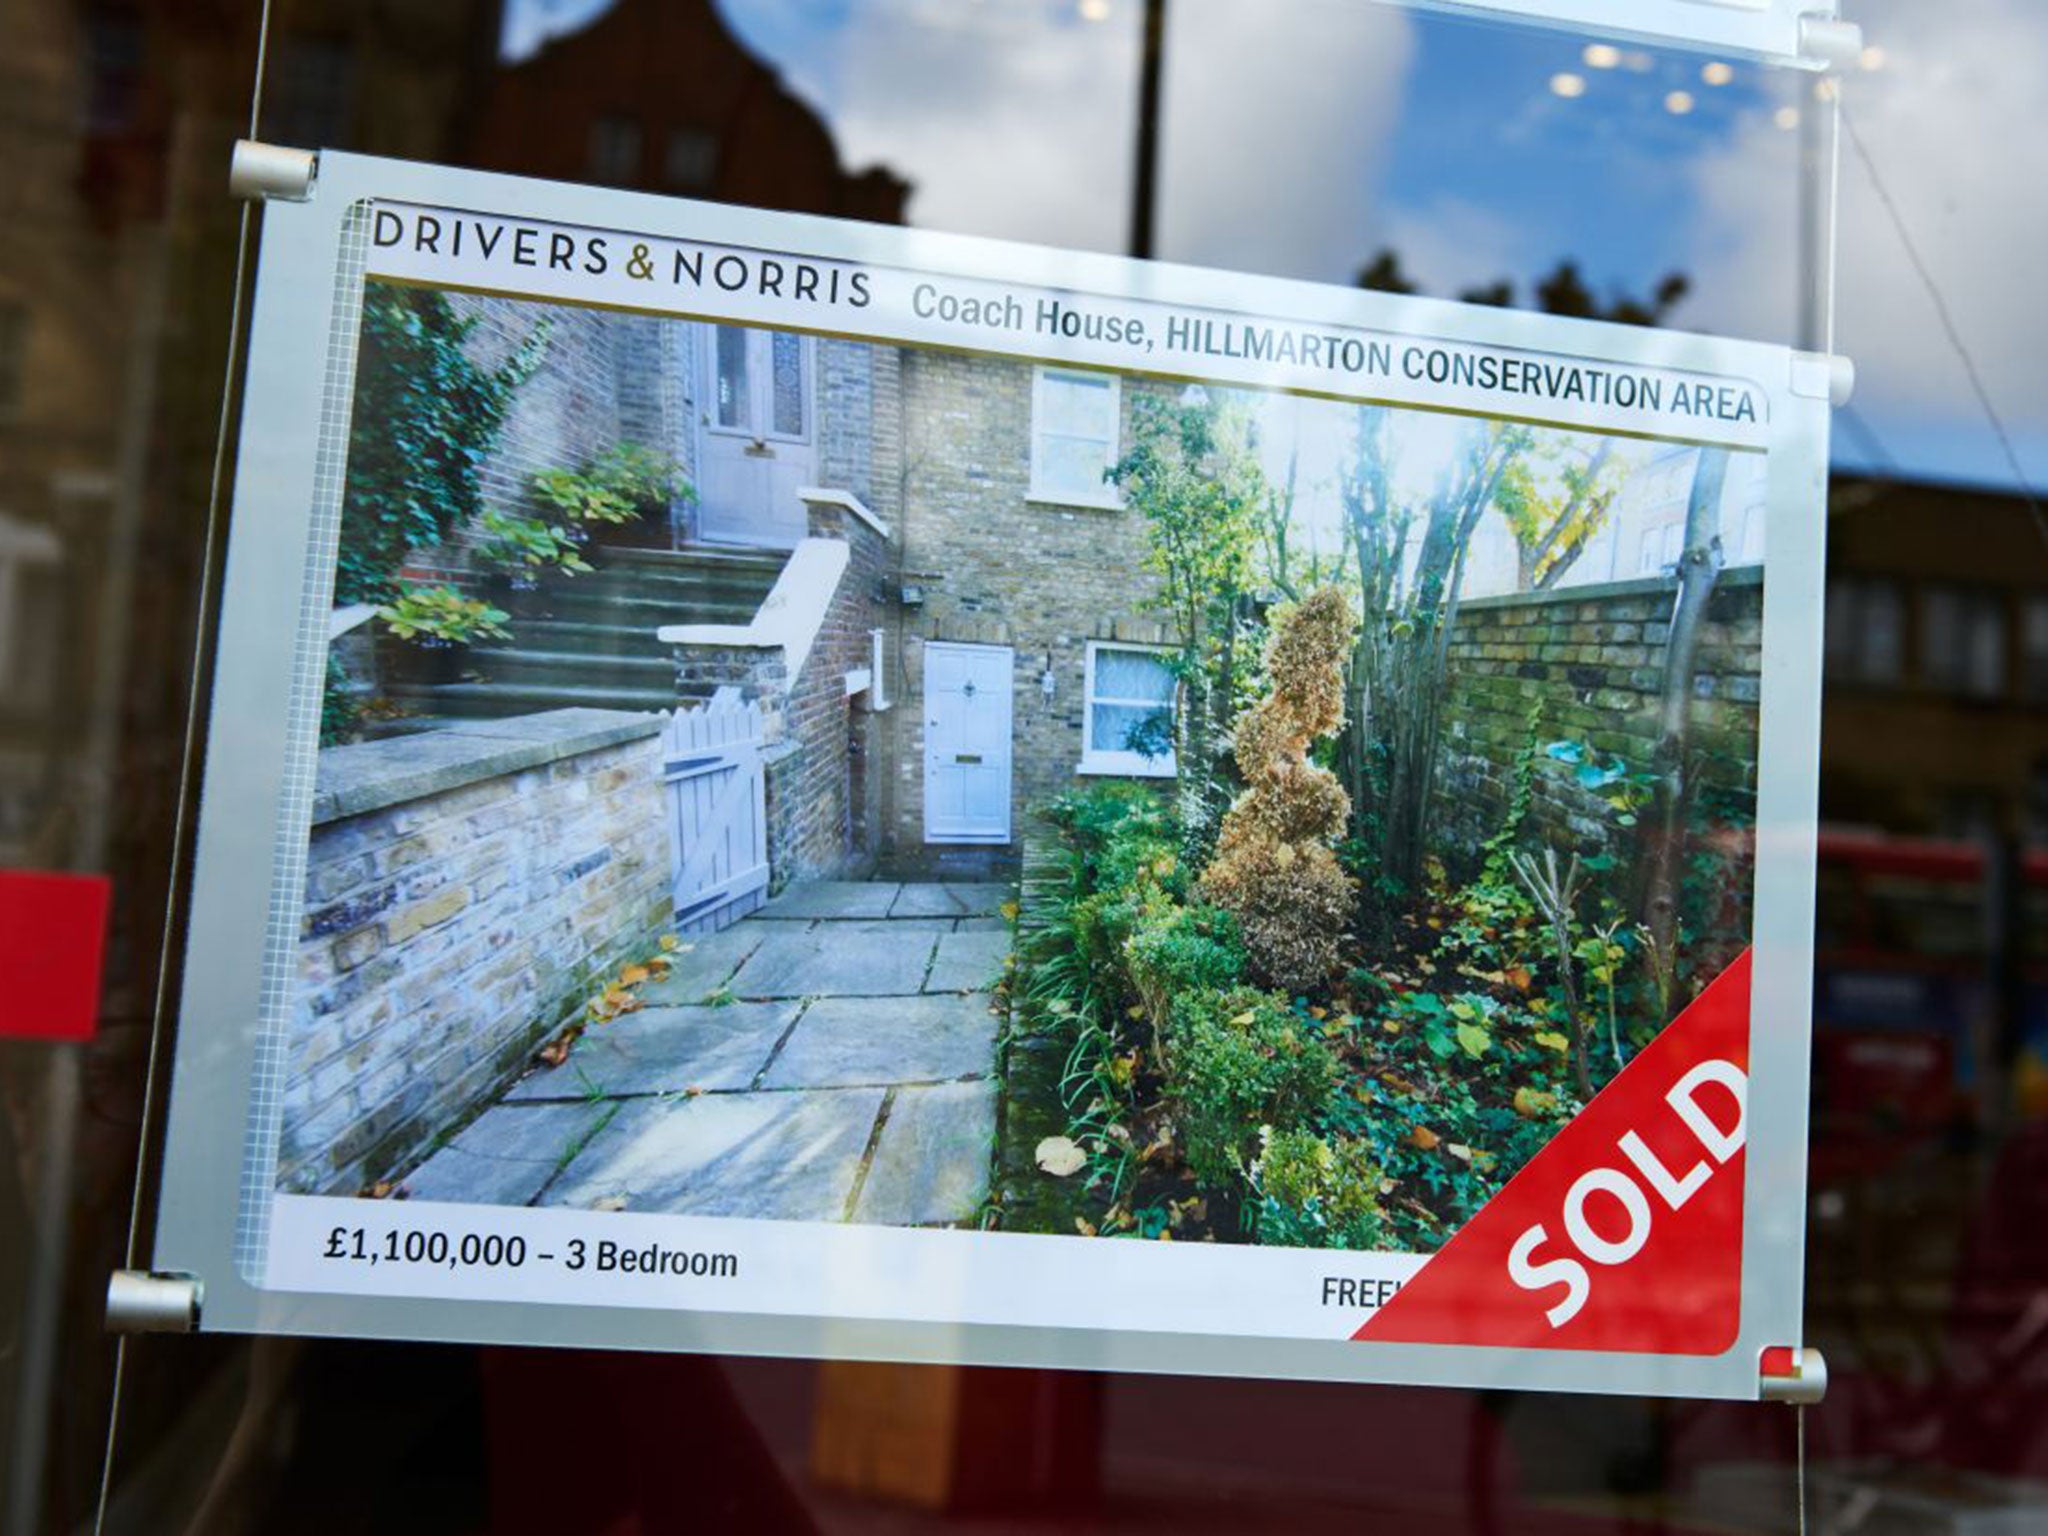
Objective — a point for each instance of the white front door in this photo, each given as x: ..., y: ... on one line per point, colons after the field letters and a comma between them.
x: 966, y: 743
x: 760, y: 441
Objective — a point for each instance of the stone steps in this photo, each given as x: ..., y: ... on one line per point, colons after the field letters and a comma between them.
x: 590, y: 640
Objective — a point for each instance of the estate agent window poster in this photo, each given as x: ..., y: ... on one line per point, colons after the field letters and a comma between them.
x: 781, y: 785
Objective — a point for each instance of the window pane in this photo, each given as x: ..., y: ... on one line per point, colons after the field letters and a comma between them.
x: 1132, y: 675
x: 1076, y: 406
x: 1131, y: 728
x: 787, y: 356
x: 1882, y: 647
x: 1072, y: 467
x: 732, y: 376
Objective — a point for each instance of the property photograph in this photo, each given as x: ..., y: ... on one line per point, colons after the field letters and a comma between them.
x: 785, y: 776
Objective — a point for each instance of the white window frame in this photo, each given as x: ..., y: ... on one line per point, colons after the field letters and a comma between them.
x: 1106, y: 497
x: 1115, y: 762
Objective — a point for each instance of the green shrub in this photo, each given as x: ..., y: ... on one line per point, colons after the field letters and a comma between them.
x: 1178, y: 950
x: 1238, y: 1061
x: 1315, y: 1193
x: 440, y: 615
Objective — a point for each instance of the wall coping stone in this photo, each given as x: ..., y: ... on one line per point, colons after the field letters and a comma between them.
x: 790, y: 615
x: 827, y: 496
x: 371, y: 775
x: 1596, y: 591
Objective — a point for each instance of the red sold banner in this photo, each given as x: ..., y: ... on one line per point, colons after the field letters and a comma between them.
x: 1625, y: 1232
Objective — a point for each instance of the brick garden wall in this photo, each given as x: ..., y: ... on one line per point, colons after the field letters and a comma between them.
x: 463, y: 892
x: 1000, y: 569
x: 1590, y: 661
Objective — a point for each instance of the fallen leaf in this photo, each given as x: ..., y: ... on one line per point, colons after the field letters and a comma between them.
x: 1009, y: 909
x: 1422, y: 1136
x: 1462, y: 1153
x: 1245, y: 1020
x: 1518, y: 977
x: 633, y: 975
x: 1551, y: 1039
x: 608, y: 1203
x: 1533, y: 1103
x: 670, y: 942
x: 1084, y: 1226
x: 1061, y: 1157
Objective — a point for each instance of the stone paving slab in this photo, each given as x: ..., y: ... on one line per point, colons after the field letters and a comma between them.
x: 846, y: 1040
x: 951, y: 899
x: 968, y: 962
x: 982, y: 925
x: 837, y: 959
x: 665, y: 1050
x: 778, y: 1156
x: 931, y: 1162
x: 704, y: 963
x: 506, y: 1155
x: 833, y: 898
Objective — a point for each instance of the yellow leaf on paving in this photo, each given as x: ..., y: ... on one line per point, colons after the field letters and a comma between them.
x: 633, y: 975
x: 1009, y: 909
x: 670, y: 941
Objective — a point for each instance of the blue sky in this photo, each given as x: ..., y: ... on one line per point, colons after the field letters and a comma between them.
x: 1299, y: 137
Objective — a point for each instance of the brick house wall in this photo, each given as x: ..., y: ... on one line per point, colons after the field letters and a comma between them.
x: 1590, y: 662
x: 997, y: 568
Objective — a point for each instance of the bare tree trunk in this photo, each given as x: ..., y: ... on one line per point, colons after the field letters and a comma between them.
x: 1699, y: 568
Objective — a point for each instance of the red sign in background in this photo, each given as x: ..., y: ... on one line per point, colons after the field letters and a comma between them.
x: 1625, y: 1231
x: 52, y: 939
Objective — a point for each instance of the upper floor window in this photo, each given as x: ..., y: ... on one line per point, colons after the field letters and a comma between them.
x: 31, y: 617
x: 1128, y: 727
x: 691, y: 159
x: 1074, y: 433
x: 13, y: 358
x: 615, y: 150
x: 2034, y: 650
x: 1866, y: 631
x: 1963, y: 641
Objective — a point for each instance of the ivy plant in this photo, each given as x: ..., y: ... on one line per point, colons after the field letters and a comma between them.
x: 427, y: 413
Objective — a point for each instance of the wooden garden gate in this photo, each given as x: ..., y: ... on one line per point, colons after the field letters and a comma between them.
x: 713, y: 777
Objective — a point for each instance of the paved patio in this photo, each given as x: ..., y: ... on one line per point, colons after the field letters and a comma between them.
x: 830, y: 1058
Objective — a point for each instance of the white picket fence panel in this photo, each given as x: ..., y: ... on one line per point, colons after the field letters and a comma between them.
x: 713, y: 777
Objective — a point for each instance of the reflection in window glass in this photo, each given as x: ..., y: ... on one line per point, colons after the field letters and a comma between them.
x: 786, y: 355
x: 13, y: 358
x: 2035, y: 649
x: 615, y: 150
x: 1962, y: 641
x: 1130, y: 712
x: 732, y: 376
x: 691, y: 160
